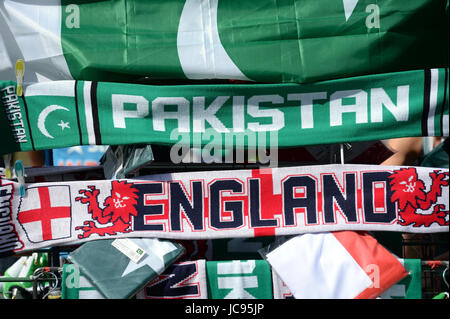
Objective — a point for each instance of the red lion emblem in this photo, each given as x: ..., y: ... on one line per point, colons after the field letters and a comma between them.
x: 118, y: 209
x: 410, y: 194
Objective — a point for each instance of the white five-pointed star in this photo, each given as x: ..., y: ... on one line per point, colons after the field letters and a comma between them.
x: 63, y: 125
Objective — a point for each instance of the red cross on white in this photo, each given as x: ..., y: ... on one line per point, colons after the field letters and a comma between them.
x: 45, y: 213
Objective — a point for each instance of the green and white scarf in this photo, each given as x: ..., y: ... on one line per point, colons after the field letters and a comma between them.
x: 225, y: 204
x: 67, y: 113
x: 264, y: 41
x: 239, y: 279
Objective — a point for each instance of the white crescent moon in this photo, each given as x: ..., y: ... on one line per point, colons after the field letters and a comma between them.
x: 43, y: 116
x: 200, y: 51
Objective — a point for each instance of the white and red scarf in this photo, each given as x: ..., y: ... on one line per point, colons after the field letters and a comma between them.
x: 225, y: 204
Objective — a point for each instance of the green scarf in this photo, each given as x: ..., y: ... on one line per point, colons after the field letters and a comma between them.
x: 382, y: 106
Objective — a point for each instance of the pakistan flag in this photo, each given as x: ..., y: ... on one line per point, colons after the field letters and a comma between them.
x: 120, y: 268
x: 263, y: 41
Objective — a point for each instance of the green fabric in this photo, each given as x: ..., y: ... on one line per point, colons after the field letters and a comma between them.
x: 239, y: 279
x: 409, y: 287
x: 67, y: 113
x: 24, y: 268
x: 268, y: 41
x: 438, y: 157
x: 114, y: 274
x: 75, y: 285
x: 442, y: 295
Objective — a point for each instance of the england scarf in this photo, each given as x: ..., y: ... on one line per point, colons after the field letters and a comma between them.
x: 367, y: 108
x: 181, y: 280
x: 264, y: 41
x: 226, y: 204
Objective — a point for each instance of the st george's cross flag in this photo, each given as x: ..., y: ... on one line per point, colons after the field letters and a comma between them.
x: 45, y: 214
x: 264, y: 41
x: 336, y: 265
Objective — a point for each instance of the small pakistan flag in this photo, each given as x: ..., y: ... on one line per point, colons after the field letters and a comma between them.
x: 54, y: 115
x: 120, y: 268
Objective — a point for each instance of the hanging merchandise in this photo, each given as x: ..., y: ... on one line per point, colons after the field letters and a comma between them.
x: 239, y: 279
x: 336, y: 265
x: 263, y: 41
x: 120, y: 268
x: 23, y: 268
x: 244, y: 279
x: 226, y: 204
x: 181, y: 280
x: 259, y: 116
x: 409, y: 287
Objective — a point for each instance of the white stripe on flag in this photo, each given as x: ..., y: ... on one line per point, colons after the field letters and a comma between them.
x: 37, y: 32
x: 445, y: 125
x: 433, y: 100
x: 200, y: 51
x: 88, y: 112
x: 59, y: 88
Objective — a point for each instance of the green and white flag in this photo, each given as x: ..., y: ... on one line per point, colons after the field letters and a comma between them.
x: 365, y: 108
x: 409, y: 287
x: 24, y: 267
x: 264, y: 41
x: 120, y: 268
x: 239, y: 279
x: 75, y: 285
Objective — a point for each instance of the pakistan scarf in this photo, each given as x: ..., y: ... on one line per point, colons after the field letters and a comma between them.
x: 226, y: 204
x: 67, y: 113
x: 264, y: 41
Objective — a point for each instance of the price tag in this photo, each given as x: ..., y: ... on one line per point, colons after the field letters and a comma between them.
x: 129, y: 249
